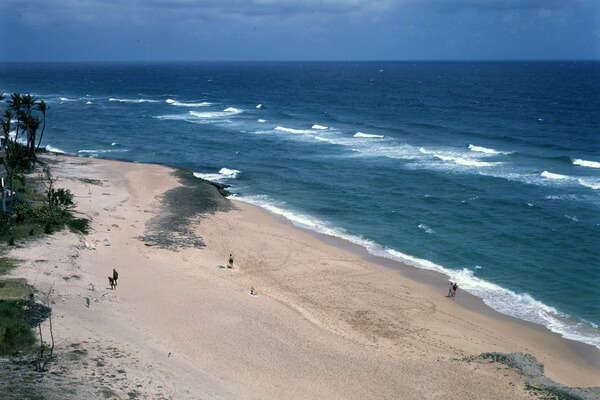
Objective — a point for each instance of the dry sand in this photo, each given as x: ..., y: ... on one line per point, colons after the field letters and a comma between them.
x: 327, y: 322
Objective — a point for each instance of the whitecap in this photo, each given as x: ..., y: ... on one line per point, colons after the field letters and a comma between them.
x: 586, y: 163
x: 572, y: 218
x: 132, y: 100
x: 262, y: 121
x: 458, y: 160
x: 113, y: 143
x: 223, y: 174
x: 318, y: 127
x: 367, y: 135
x: 229, y: 111
x: 182, y: 104
x: 322, y: 139
x: 290, y: 130
x: 259, y: 106
x: 425, y: 228
x: 486, y: 150
x: 88, y: 102
x: 589, y: 184
x: 65, y: 99
x: 550, y: 175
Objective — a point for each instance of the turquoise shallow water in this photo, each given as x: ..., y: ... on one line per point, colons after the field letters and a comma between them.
x: 488, y: 172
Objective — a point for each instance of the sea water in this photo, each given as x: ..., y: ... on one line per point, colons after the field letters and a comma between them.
x: 487, y: 172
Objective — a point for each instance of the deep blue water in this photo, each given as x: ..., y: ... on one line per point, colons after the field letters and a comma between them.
x: 488, y: 172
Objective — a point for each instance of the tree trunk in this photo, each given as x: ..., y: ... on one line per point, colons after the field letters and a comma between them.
x: 41, y: 134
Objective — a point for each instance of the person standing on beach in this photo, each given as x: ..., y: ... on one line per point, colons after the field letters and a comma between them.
x: 450, y: 290
x: 454, y: 287
x: 230, y: 260
x: 115, y: 277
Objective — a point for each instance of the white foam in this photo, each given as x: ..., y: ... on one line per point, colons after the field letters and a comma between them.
x: 425, y: 228
x: 319, y: 127
x: 589, y: 184
x: 229, y: 111
x: 550, y: 175
x: 259, y: 106
x: 133, y: 100
x: 572, y: 218
x: 64, y: 99
x: 322, y: 139
x: 486, y: 150
x: 290, y: 130
x: 520, y: 305
x: 586, y: 163
x: 182, y: 104
x: 88, y: 102
x: 367, y: 135
x: 224, y: 174
x: 101, y: 151
x: 113, y: 143
x: 262, y: 121
x: 54, y: 149
x: 457, y: 160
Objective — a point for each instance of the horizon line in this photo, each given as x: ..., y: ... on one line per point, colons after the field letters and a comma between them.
x: 449, y: 60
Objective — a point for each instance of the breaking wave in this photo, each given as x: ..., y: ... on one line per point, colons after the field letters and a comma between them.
x: 182, y: 104
x: 586, y: 163
x: 290, y: 130
x: 367, y: 135
x: 550, y: 175
x: 223, y: 174
x: 132, y: 100
x: 486, y: 150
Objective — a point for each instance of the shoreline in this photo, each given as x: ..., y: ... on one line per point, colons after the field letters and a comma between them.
x: 588, y: 352
x: 328, y: 321
x: 439, y: 281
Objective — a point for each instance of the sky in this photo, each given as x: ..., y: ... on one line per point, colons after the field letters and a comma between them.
x: 281, y: 30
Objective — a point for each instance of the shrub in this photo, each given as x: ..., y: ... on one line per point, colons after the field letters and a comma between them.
x: 79, y: 225
x: 15, y: 334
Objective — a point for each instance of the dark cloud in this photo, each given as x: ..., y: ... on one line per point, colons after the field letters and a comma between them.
x: 299, y: 29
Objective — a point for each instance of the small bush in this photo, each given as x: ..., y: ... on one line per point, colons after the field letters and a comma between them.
x: 11, y: 241
x: 79, y: 225
x: 15, y: 333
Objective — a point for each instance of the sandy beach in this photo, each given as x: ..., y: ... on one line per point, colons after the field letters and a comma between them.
x: 327, y: 322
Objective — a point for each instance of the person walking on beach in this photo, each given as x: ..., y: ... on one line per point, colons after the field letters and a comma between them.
x: 230, y: 265
x: 450, y: 290
x: 454, y: 287
x: 115, y: 277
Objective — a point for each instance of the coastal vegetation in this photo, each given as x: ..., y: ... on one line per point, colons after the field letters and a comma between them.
x: 31, y: 205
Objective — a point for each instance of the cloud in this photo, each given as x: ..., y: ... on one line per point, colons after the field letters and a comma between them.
x: 71, y: 11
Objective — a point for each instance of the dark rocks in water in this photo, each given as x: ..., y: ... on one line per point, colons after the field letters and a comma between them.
x: 543, y: 387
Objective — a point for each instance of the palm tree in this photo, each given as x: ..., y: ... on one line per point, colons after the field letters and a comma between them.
x: 33, y: 124
x: 15, y: 103
x: 28, y: 102
x: 6, y: 126
x: 42, y: 107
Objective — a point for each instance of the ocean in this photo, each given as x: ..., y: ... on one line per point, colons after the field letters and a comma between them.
x: 486, y: 172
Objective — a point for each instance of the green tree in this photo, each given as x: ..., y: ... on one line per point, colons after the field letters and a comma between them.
x: 43, y: 108
x: 15, y: 103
